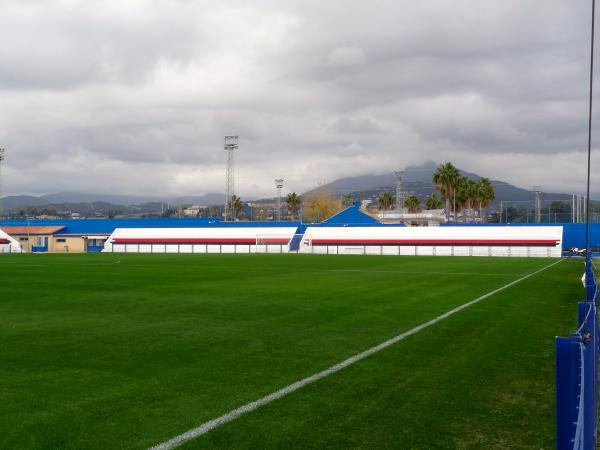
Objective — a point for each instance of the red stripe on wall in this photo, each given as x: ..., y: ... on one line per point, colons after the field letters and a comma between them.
x: 434, y: 242
x: 247, y: 241
x: 4, y: 241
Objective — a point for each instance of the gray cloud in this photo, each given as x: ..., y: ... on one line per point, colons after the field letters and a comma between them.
x: 136, y: 96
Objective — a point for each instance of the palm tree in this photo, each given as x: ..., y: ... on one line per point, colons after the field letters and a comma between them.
x: 347, y: 201
x: 235, y: 205
x: 485, y: 196
x: 433, y: 202
x: 386, y: 201
x: 412, y: 203
x: 293, y: 202
x: 461, y: 196
x: 445, y: 178
x: 471, y: 195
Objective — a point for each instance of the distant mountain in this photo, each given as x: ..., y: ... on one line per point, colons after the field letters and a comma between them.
x: 17, y: 201
x: 97, y: 204
x: 412, y: 174
x: 79, y: 197
x: 82, y: 197
x: 202, y: 200
x: 417, y: 180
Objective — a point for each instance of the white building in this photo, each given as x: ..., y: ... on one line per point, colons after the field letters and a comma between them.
x: 193, y: 211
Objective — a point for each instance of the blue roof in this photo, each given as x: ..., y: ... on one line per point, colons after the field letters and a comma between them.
x: 351, y: 216
x: 107, y: 226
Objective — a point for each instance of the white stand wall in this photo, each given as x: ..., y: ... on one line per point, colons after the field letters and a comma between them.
x: 509, y: 241
x: 200, y: 240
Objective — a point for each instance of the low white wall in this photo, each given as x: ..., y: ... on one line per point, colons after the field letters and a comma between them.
x: 195, y: 248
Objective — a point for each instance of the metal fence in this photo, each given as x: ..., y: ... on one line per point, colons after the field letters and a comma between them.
x: 577, y: 375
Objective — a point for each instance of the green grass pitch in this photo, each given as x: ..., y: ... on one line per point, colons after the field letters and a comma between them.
x: 129, y: 350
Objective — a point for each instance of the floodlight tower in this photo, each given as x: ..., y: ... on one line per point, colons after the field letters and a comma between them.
x: 399, y: 194
x: 1, y: 162
x: 231, y: 144
x: 279, y: 186
x: 538, y: 203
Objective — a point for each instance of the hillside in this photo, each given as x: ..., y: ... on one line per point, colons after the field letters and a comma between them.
x: 417, y: 181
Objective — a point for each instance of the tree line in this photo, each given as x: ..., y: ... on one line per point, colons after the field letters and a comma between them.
x: 459, y: 194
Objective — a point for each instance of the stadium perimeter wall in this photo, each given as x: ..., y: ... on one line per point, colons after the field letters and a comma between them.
x: 380, y: 240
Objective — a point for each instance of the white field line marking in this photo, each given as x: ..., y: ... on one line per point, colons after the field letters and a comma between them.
x: 232, y: 415
x: 424, y: 272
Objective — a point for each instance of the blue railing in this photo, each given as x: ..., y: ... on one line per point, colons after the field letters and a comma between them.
x: 577, y: 375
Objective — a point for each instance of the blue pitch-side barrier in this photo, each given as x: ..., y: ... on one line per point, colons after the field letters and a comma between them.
x: 577, y: 375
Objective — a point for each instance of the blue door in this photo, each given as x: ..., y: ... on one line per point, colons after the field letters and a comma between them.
x: 41, y: 244
x: 95, y: 245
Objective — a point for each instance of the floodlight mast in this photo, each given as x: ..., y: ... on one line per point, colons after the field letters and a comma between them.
x: 2, y: 153
x: 538, y: 204
x: 399, y: 194
x: 589, y: 155
x: 231, y: 144
x: 279, y: 186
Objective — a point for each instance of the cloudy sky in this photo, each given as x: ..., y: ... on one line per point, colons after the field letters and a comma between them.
x: 135, y: 96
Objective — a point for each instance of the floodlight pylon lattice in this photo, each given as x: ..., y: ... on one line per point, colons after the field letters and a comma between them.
x: 2, y: 153
x: 399, y: 194
x: 538, y: 203
x: 279, y: 186
x: 231, y: 144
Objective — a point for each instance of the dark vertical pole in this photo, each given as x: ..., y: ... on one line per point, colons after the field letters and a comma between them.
x: 587, y: 200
